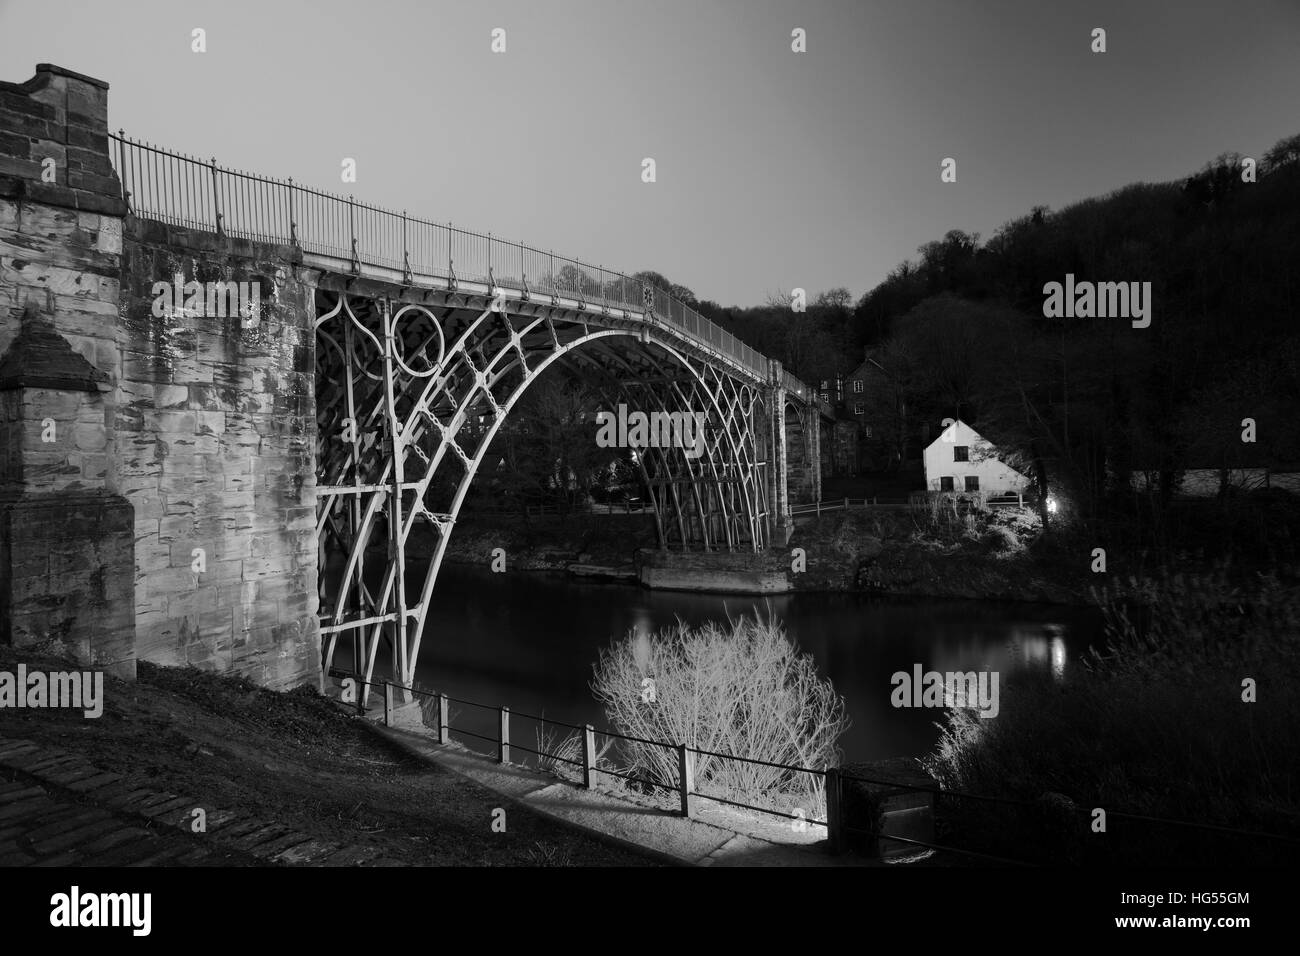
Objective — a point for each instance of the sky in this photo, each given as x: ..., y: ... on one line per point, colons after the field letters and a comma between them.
x: 774, y: 169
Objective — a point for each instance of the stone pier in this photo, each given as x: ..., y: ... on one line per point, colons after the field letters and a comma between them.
x: 157, y: 474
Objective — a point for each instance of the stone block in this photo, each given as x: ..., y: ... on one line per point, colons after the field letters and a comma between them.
x: 87, y: 543
x: 174, y: 423
x: 171, y: 396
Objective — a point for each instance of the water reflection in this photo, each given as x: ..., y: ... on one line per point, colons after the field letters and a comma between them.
x: 1058, y: 657
x: 529, y: 641
x: 1043, y: 648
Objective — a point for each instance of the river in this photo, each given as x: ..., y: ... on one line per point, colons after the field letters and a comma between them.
x: 528, y: 641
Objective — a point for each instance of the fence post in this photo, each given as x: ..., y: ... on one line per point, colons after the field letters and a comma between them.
x: 388, y: 704
x: 686, y: 776
x: 444, y: 729
x: 121, y: 165
x: 451, y: 263
x: 588, y: 754
x: 352, y: 230
x: 1020, y: 499
x: 846, y: 504
x: 406, y: 253
x: 363, y: 691
x: 216, y: 196
x: 834, y: 812
x: 293, y: 223
x: 503, y: 748
x: 819, y: 507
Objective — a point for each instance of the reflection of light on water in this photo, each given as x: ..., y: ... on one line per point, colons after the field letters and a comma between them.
x: 641, y: 622
x: 1043, y: 650
x: 1033, y: 649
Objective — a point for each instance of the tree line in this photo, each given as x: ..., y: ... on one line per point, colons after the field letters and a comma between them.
x: 1083, y: 405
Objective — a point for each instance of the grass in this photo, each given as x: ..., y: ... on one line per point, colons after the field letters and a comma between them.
x: 301, y: 760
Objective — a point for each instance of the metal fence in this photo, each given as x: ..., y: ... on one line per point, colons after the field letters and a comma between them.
x: 185, y: 191
x: 969, y: 500
x: 596, y: 754
x: 680, y: 784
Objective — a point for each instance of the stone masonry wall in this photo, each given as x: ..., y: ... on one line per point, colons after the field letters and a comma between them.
x: 839, y: 444
x: 215, y: 449
x: 65, y: 537
x: 802, y: 456
x: 765, y: 572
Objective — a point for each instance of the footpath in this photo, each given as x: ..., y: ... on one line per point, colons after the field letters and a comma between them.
x: 715, y: 835
x: 57, y: 808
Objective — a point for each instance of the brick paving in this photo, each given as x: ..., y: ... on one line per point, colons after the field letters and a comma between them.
x: 59, y: 809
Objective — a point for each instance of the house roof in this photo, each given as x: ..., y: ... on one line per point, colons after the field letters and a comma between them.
x: 955, y: 422
x: 864, y: 368
x: 978, y: 437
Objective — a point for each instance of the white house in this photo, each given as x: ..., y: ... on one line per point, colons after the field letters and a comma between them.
x: 960, y: 460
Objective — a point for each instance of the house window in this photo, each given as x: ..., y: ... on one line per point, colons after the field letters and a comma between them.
x: 866, y: 430
x: 972, y: 483
x: 961, y: 453
x: 859, y: 408
x: 857, y: 385
x: 945, y: 483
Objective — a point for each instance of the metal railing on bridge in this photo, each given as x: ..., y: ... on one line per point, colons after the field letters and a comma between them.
x: 792, y: 384
x: 185, y: 191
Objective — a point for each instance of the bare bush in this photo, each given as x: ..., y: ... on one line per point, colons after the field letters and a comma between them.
x: 939, y: 515
x: 427, y: 699
x: 740, y: 689
x: 557, y: 753
x: 544, y: 854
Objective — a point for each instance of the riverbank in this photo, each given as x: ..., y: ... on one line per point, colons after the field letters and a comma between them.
x: 1000, y: 558
x: 598, y: 547
x: 872, y: 552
